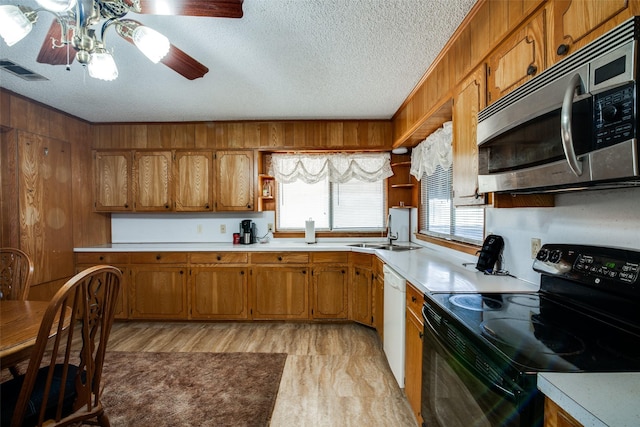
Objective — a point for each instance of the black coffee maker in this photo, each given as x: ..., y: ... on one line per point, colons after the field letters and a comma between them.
x: 247, y: 232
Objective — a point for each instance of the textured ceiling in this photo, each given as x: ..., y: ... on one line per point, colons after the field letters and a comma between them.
x: 285, y: 59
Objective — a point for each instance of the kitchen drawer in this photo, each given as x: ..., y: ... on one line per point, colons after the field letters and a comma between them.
x: 159, y: 258
x: 361, y: 259
x: 102, y: 258
x: 219, y: 257
x: 280, y: 258
x: 415, y: 300
x: 330, y: 257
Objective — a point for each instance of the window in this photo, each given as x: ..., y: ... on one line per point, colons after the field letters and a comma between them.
x: 350, y: 206
x: 440, y: 218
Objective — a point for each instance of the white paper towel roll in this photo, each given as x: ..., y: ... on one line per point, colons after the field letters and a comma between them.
x: 310, y: 231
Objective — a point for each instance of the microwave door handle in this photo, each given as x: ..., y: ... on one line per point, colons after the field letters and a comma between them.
x: 565, y: 126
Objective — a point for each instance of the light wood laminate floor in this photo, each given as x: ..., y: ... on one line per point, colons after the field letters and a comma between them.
x: 335, y: 374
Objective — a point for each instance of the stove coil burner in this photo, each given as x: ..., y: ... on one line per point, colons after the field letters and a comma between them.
x: 476, y: 302
x: 532, y: 336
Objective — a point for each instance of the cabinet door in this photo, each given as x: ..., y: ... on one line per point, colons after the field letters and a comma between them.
x: 234, y: 181
x: 469, y: 99
x: 219, y: 293
x: 153, y: 180
x: 413, y: 363
x: 112, y: 181
x: 575, y: 23
x: 330, y: 292
x: 158, y: 292
x: 378, y: 305
x: 360, y: 298
x: 194, y: 181
x: 279, y: 293
x: 520, y: 57
x: 45, y: 206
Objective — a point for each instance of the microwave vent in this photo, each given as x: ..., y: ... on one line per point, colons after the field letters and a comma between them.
x: 619, y: 36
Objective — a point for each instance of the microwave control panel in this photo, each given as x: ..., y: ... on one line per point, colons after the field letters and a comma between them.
x: 613, y: 116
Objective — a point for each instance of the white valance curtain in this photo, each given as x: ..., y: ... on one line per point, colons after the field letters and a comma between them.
x: 435, y: 150
x: 338, y: 167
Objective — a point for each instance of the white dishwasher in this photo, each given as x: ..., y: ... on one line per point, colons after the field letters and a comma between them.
x: 395, y: 289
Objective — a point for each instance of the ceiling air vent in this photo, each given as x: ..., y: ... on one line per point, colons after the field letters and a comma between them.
x: 20, y: 71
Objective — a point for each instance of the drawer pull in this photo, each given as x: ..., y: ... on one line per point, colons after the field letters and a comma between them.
x: 158, y: 257
x: 279, y: 258
x: 413, y: 299
x: 562, y: 50
x: 101, y: 258
x: 218, y: 257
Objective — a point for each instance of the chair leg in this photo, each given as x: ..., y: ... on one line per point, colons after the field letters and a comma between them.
x: 103, y: 420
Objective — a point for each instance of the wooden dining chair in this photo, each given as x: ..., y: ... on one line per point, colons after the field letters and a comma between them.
x: 16, y: 272
x: 62, y: 384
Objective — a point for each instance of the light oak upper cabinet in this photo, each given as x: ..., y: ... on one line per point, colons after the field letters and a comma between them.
x: 153, y: 177
x: 468, y: 100
x: 193, y: 181
x: 575, y: 23
x: 518, y: 59
x: 235, y: 178
x: 112, y: 181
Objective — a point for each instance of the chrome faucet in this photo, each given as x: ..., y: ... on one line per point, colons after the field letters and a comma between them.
x: 390, y: 235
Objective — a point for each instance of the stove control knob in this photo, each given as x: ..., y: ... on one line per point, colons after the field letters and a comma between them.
x: 555, y: 256
x: 543, y: 254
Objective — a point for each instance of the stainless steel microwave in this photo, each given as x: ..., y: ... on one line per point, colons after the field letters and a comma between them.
x: 572, y: 127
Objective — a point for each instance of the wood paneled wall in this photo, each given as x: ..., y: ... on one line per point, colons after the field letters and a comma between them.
x: 264, y: 135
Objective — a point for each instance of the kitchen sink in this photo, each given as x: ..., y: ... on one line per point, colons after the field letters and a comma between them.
x: 385, y: 246
x: 367, y: 245
x: 398, y: 248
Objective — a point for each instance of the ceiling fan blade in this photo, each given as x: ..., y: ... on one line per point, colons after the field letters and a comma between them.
x: 176, y: 59
x: 184, y: 64
x: 210, y: 8
x: 52, y: 51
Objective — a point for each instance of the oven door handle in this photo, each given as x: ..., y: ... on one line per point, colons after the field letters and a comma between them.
x: 565, y: 125
x: 508, y: 394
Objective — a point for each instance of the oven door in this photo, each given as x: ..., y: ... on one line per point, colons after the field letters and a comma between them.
x: 459, y: 392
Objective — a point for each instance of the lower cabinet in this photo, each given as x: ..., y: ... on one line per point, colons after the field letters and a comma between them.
x: 330, y: 285
x: 158, y: 292
x: 118, y: 260
x: 555, y: 416
x: 279, y: 293
x: 413, y: 350
x: 360, y: 290
x: 219, y: 293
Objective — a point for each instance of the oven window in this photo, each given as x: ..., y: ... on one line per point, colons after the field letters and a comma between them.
x: 538, y: 141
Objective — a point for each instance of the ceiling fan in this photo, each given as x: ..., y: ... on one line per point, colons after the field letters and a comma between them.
x: 71, y: 35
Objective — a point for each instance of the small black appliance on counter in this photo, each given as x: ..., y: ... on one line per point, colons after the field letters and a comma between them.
x: 247, y: 232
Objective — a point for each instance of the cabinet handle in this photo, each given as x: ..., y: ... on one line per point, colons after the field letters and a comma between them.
x: 181, y: 272
x: 357, y: 273
x: 531, y: 70
x: 166, y: 206
x: 304, y: 271
x: 126, y: 205
x: 101, y: 258
x: 248, y: 206
x: 421, y: 334
x: 158, y: 257
x: 342, y: 271
x: 242, y: 272
x: 413, y: 299
x: 218, y: 257
x: 279, y: 258
x: 563, y: 49
x: 206, y: 206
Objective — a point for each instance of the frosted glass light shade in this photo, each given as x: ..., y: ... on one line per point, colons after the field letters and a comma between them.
x: 14, y: 24
x: 150, y: 42
x: 57, y: 6
x: 102, y: 66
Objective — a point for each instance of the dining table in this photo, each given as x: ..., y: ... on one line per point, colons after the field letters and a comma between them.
x: 19, y: 326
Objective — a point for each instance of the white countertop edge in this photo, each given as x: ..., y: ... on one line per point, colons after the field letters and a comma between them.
x: 612, y: 397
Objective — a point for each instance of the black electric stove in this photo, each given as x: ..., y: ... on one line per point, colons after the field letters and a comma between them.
x: 585, y: 318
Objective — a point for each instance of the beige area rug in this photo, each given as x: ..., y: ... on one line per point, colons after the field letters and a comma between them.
x: 191, y: 389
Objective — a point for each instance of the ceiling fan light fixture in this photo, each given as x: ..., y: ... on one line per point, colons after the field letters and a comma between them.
x: 57, y: 6
x: 15, y: 23
x: 154, y: 45
x: 102, y: 66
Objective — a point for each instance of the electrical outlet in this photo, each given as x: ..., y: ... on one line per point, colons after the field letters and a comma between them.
x: 270, y: 227
x: 536, y: 244
x: 223, y: 228
x: 199, y: 229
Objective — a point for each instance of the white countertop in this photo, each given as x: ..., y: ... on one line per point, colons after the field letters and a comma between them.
x: 595, y: 399
x: 425, y: 268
